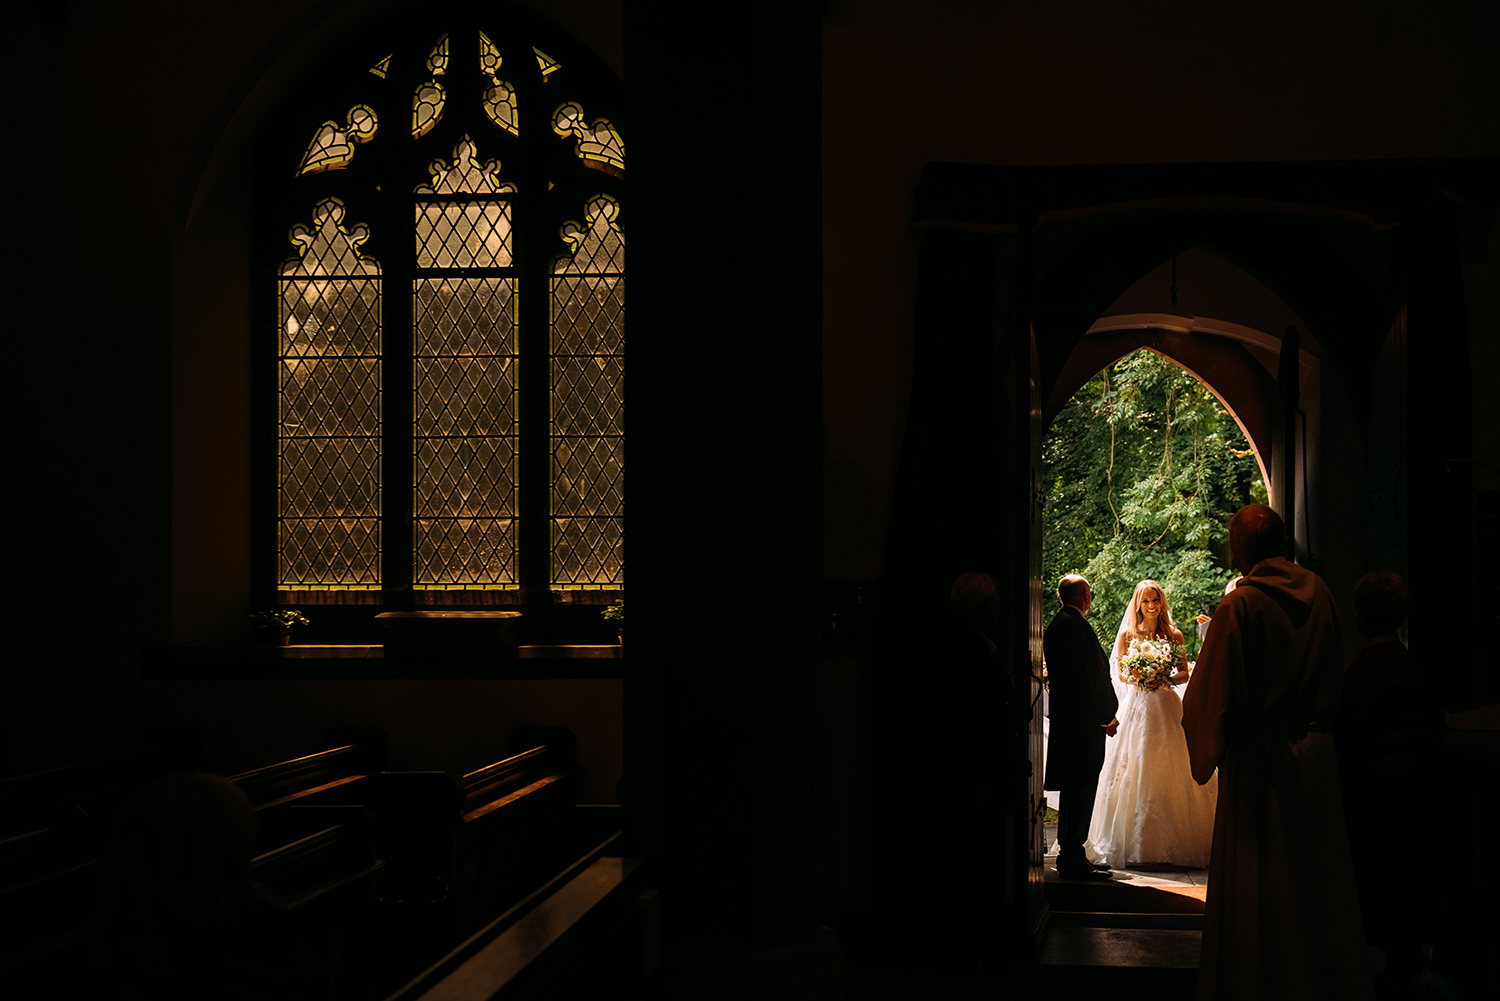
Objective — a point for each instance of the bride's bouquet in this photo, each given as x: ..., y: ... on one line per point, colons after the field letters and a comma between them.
x: 1148, y: 664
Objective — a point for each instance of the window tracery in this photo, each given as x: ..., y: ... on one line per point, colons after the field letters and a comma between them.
x: 466, y: 433
x: 332, y: 146
x: 599, y: 144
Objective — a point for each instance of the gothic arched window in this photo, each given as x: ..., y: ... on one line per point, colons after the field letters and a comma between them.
x: 441, y: 253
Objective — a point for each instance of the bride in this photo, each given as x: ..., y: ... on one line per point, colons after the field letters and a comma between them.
x: 1148, y: 808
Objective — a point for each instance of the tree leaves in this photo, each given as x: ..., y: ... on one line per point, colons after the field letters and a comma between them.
x: 1143, y: 469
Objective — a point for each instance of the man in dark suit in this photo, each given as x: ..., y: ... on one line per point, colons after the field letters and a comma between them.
x: 1083, y: 706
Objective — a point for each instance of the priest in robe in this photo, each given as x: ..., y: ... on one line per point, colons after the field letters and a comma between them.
x: 1282, y: 916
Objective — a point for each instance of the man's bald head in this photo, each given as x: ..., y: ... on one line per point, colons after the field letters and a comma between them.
x: 1073, y: 590
x: 1256, y: 533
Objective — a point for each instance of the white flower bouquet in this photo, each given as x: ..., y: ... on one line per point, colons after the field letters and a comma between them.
x: 1148, y: 664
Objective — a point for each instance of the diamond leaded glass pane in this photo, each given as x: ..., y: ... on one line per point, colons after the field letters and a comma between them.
x: 333, y: 553
x: 467, y: 235
x: 329, y: 407
x: 588, y: 475
x: 328, y: 477
x: 464, y: 370
x: 588, y: 395
x: 466, y: 477
x: 465, y: 316
x: 588, y: 402
x: 466, y: 552
x: 588, y: 314
x: 588, y: 552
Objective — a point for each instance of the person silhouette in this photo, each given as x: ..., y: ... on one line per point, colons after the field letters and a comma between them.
x: 178, y: 915
x: 1388, y: 741
x: 1282, y: 917
x: 1083, y: 706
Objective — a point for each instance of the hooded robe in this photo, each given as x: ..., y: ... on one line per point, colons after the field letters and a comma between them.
x: 1282, y: 915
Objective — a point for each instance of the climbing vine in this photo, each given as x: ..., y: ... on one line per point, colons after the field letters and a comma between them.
x: 1142, y: 470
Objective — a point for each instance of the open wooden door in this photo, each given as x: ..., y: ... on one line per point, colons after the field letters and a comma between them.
x: 1284, y: 445
x: 1036, y: 903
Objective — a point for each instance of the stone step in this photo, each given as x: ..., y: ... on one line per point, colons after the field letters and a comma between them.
x: 1136, y: 948
x: 1121, y: 961
x: 1126, y: 919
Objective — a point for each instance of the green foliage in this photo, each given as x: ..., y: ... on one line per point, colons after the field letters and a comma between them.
x: 282, y: 618
x: 614, y: 613
x: 1143, y: 469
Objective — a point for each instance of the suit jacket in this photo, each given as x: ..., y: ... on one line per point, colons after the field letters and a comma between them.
x: 1081, y: 697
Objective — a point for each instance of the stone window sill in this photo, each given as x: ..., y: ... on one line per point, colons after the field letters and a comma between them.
x: 331, y: 662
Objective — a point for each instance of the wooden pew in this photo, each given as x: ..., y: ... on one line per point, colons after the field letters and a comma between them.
x: 323, y: 871
x: 588, y: 932
x: 317, y: 840
x: 53, y: 828
x: 455, y: 850
x: 321, y: 777
x: 508, y: 837
x: 462, y: 849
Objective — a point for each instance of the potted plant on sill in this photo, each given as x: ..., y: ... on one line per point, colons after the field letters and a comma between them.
x: 616, y: 613
x: 276, y: 625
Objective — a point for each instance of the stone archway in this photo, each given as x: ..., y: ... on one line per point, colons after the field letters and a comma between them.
x: 1241, y: 384
x: 1018, y: 265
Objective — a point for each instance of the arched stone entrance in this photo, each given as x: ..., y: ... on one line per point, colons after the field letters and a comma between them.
x: 1018, y: 266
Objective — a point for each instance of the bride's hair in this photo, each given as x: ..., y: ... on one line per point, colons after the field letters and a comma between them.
x: 1134, y: 617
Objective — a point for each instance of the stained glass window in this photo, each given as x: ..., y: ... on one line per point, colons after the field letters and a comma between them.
x: 429, y: 98
x: 588, y: 401
x: 546, y: 63
x: 465, y: 372
x: 427, y: 107
x: 499, y: 96
x: 333, y: 145
x: 450, y: 397
x: 599, y: 145
x: 329, y: 377
x: 437, y: 59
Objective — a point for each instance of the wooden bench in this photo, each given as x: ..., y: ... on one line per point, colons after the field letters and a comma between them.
x: 462, y: 849
x: 53, y: 829
x: 317, y: 841
x: 323, y: 871
x: 322, y: 777
x: 455, y: 850
x: 590, y: 930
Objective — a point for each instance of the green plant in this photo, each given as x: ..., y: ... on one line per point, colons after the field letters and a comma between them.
x: 1143, y: 469
x: 280, y: 618
x: 615, y: 613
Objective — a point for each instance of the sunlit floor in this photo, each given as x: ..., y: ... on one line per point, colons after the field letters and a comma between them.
x: 1165, y: 876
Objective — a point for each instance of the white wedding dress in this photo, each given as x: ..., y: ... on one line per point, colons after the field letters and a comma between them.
x: 1148, y: 808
